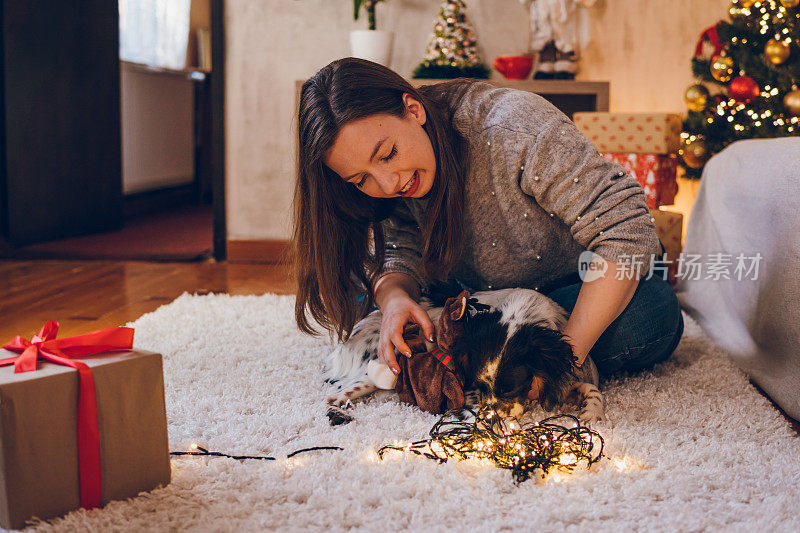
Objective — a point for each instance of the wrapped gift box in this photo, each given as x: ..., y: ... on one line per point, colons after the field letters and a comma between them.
x: 640, y: 133
x: 669, y: 228
x: 655, y: 172
x: 38, y: 433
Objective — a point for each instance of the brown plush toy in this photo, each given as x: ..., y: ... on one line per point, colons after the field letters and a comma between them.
x: 432, y: 379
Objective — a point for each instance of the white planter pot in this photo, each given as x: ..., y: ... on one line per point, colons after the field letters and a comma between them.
x: 374, y: 45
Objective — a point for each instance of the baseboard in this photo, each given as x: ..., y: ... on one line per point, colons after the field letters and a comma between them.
x: 256, y: 251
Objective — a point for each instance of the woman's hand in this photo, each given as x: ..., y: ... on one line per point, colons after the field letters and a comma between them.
x: 397, y: 312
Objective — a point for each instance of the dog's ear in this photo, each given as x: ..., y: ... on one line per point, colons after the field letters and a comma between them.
x: 549, y: 356
x: 457, y: 307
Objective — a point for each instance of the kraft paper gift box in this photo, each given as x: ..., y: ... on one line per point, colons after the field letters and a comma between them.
x: 639, y: 133
x: 39, y: 475
x: 656, y: 173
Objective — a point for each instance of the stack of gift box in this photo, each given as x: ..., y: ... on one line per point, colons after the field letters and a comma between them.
x: 646, y: 145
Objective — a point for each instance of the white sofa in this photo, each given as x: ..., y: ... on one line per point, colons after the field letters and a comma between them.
x: 749, y: 202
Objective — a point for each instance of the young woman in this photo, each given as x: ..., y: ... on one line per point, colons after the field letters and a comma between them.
x: 405, y: 192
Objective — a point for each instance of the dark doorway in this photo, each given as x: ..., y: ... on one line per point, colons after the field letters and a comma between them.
x: 103, y: 158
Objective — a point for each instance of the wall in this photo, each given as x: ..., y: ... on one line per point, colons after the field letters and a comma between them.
x: 643, y: 47
x: 157, y: 129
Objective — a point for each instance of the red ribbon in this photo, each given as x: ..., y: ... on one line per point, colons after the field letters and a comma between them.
x: 61, y: 351
x: 709, y: 33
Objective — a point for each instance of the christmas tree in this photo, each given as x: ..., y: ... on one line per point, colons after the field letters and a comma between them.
x: 452, y: 51
x: 754, y: 73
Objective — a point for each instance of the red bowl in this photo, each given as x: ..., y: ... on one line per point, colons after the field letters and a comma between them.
x: 514, y: 67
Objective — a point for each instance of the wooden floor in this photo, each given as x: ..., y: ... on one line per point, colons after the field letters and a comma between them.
x: 87, y: 295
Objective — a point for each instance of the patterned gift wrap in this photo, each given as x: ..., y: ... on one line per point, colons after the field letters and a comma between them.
x: 656, y: 173
x: 639, y: 133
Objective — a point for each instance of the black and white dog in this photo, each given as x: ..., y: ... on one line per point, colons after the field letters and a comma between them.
x: 518, y: 337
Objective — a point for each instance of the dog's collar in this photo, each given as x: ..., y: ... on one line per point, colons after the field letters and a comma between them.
x: 446, y: 358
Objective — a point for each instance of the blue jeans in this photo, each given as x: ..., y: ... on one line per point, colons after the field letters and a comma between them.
x: 646, y: 332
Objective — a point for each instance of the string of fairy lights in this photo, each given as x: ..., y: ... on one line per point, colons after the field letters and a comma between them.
x: 196, y: 449
x: 530, y: 449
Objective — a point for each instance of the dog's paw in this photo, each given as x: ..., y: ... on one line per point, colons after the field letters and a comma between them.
x: 337, y: 417
x: 592, y: 408
x: 339, y: 401
x: 473, y: 399
x: 344, y: 397
x: 591, y: 413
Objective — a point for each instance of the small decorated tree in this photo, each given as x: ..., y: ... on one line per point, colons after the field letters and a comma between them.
x: 452, y: 51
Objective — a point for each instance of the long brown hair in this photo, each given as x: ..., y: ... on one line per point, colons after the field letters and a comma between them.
x: 338, y: 242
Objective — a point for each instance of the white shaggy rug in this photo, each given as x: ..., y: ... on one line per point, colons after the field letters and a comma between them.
x: 691, y: 446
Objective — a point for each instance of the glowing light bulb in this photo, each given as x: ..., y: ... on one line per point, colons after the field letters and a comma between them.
x: 568, y: 459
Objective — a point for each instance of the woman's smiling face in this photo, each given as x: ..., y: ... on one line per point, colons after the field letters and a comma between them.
x: 386, y: 156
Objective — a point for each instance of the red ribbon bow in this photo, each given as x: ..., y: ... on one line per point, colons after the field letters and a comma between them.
x: 711, y: 34
x: 62, y: 351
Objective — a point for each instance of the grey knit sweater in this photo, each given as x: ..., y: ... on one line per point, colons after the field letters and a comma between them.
x: 537, y: 195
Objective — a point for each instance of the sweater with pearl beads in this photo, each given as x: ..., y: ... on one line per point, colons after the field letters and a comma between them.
x: 538, y: 194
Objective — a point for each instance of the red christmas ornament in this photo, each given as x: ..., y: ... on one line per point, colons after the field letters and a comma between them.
x: 743, y: 89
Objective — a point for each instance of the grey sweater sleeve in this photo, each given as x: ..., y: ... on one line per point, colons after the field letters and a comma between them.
x: 604, y: 207
x: 403, y: 246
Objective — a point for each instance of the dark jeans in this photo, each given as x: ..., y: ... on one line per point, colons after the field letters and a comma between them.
x: 646, y: 332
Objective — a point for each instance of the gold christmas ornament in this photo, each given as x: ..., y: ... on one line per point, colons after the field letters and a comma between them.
x: 722, y: 68
x: 746, y: 3
x: 790, y: 3
x: 695, y: 153
x: 792, y: 102
x: 696, y: 97
x: 777, y: 51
